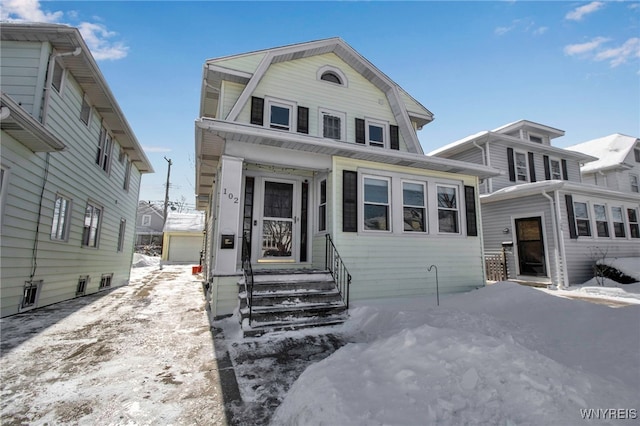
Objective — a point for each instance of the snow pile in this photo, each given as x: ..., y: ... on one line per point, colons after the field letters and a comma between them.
x: 184, y: 222
x: 504, y: 354
x: 142, y: 261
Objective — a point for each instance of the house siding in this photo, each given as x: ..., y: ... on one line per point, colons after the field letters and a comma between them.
x: 296, y: 81
x: 74, y: 174
x: 23, y: 73
x: 231, y: 92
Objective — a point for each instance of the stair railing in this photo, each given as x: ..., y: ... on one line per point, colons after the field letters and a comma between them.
x: 247, y: 271
x: 338, y: 270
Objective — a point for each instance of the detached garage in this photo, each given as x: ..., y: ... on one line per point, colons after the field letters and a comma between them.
x: 183, y: 237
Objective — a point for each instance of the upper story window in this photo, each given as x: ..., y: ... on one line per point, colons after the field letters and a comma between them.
x: 554, y: 168
x: 332, y: 75
x: 121, y: 231
x: 92, y: 222
x: 61, y: 215
x: 636, y: 153
x: 85, y: 111
x: 280, y: 114
x: 333, y: 124
x: 522, y: 171
x: 536, y: 139
x: 105, y: 146
x: 635, y: 184
x: 58, y: 76
x: 146, y: 220
x: 127, y: 175
x: 375, y: 133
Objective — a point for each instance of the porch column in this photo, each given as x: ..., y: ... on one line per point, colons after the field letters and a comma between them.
x: 229, y: 209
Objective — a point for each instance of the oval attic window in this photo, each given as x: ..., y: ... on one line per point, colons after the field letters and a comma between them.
x: 332, y: 77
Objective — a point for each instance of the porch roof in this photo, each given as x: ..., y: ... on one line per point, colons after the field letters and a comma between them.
x: 212, y: 134
x: 528, y: 189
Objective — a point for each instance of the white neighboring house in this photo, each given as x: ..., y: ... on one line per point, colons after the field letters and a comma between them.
x: 70, y: 171
x: 298, y: 143
x: 618, y: 162
x: 555, y: 226
x: 183, y: 237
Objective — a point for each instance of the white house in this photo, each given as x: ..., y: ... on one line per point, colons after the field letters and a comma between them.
x: 554, y: 226
x: 70, y: 171
x: 300, y: 143
x: 618, y: 162
x: 183, y: 237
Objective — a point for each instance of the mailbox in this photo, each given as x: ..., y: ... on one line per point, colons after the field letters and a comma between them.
x: 227, y: 241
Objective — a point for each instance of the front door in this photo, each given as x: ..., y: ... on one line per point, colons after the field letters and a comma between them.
x: 278, y: 221
x: 531, y: 257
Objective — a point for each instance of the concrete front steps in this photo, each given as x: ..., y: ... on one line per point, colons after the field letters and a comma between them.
x: 290, y: 300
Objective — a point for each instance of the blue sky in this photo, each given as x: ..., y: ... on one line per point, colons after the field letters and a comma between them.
x: 571, y: 65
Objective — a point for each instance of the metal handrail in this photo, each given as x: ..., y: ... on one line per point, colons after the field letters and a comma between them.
x: 336, y: 267
x: 247, y: 271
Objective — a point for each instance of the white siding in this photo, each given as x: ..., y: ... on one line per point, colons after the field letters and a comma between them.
x: 246, y: 63
x: 231, y: 92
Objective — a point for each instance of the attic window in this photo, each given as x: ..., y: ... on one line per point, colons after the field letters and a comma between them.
x: 536, y: 139
x: 332, y: 75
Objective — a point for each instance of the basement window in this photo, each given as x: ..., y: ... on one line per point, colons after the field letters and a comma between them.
x: 105, y: 281
x: 81, y: 289
x: 30, y: 294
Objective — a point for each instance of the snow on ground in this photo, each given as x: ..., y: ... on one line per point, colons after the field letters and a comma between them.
x: 505, y: 354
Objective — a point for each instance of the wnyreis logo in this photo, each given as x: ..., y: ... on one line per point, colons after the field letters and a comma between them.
x: 609, y: 413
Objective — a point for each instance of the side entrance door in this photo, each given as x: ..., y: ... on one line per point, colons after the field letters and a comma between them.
x: 531, y: 255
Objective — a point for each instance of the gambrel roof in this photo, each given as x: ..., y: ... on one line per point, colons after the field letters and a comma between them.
x: 88, y: 75
x: 611, y: 152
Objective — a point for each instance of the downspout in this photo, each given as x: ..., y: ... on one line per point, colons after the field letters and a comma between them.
x: 554, y: 225
x: 484, y: 162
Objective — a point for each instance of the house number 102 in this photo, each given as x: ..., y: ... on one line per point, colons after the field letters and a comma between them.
x: 231, y: 196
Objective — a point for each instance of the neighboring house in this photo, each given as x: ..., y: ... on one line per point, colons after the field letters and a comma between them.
x: 149, y: 224
x: 301, y: 142
x: 183, y: 237
x: 618, y: 162
x: 556, y: 226
x: 71, y: 169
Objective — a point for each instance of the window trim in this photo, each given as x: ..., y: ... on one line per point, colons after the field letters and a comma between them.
x: 605, y: 221
x: 322, y: 214
x: 122, y: 229
x: 66, y: 221
x: 104, y: 156
x: 85, y: 242
x: 637, y: 182
x: 282, y: 103
x: 36, y: 286
x: 63, y: 74
x: 86, y: 106
x: 621, y: 221
x: 84, y: 280
x: 363, y: 203
x: 586, y: 220
x: 536, y: 136
x: 425, y: 199
x: 517, y: 167
x: 105, y: 281
x: 456, y: 209
x: 337, y: 71
x: 385, y: 132
x: 343, y: 121
x: 551, y: 172
x: 144, y: 219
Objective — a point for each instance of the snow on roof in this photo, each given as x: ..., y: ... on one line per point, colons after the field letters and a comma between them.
x: 189, y: 222
x: 610, y: 150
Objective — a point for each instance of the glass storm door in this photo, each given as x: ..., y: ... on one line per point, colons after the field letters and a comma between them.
x: 278, y: 221
x: 531, y: 258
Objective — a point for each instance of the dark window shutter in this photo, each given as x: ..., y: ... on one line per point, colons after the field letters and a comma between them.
x: 257, y: 111
x: 565, y: 174
x: 470, y: 204
x: 512, y: 166
x: 359, y: 130
x: 532, y: 168
x: 395, y: 137
x: 349, y: 201
x: 547, y: 167
x: 303, y: 120
x: 571, y: 217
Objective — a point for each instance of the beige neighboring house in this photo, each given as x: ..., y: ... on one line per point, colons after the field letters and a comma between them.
x: 183, y: 238
x: 70, y: 171
x: 618, y: 162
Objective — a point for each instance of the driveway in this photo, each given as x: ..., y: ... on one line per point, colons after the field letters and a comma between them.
x: 138, y: 354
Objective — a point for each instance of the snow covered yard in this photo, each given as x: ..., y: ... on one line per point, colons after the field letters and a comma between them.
x: 139, y: 354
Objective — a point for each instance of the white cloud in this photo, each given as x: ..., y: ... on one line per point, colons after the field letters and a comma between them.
x: 630, y: 49
x: 525, y: 25
x: 27, y: 10
x: 580, y: 12
x: 540, y: 30
x: 581, y: 48
x: 97, y: 36
x: 155, y: 149
x: 503, y: 30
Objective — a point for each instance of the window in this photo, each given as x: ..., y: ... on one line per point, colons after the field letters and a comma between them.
x: 634, y: 226
x: 536, y: 139
x: 58, y: 76
x: 91, y: 229
x: 85, y: 111
x: 121, y: 231
x: 105, y: 145
x: 635, y: 185
x: 376, y: 133
x: 4, y: 174
x: 322, y: 207
x: 448, y: 209
x: 554, y: 167
x: 376, y: 204
x: 280, y: 115
x: 146, y: 220
x: 636, y: 153
x: 332, y: 126
x: 582, y: 219
x: 413, y: 206
x: 521, y: 166
x: 618, y: 222
x: 61, y: 214
x: 602, y: 225
x: 127, y: 176
x: 30, y: 294
x: 81, y: 288
x: 331, y: 77
x: 105, y: 281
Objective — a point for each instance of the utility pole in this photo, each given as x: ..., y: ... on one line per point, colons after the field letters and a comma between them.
x: 166, y: 191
